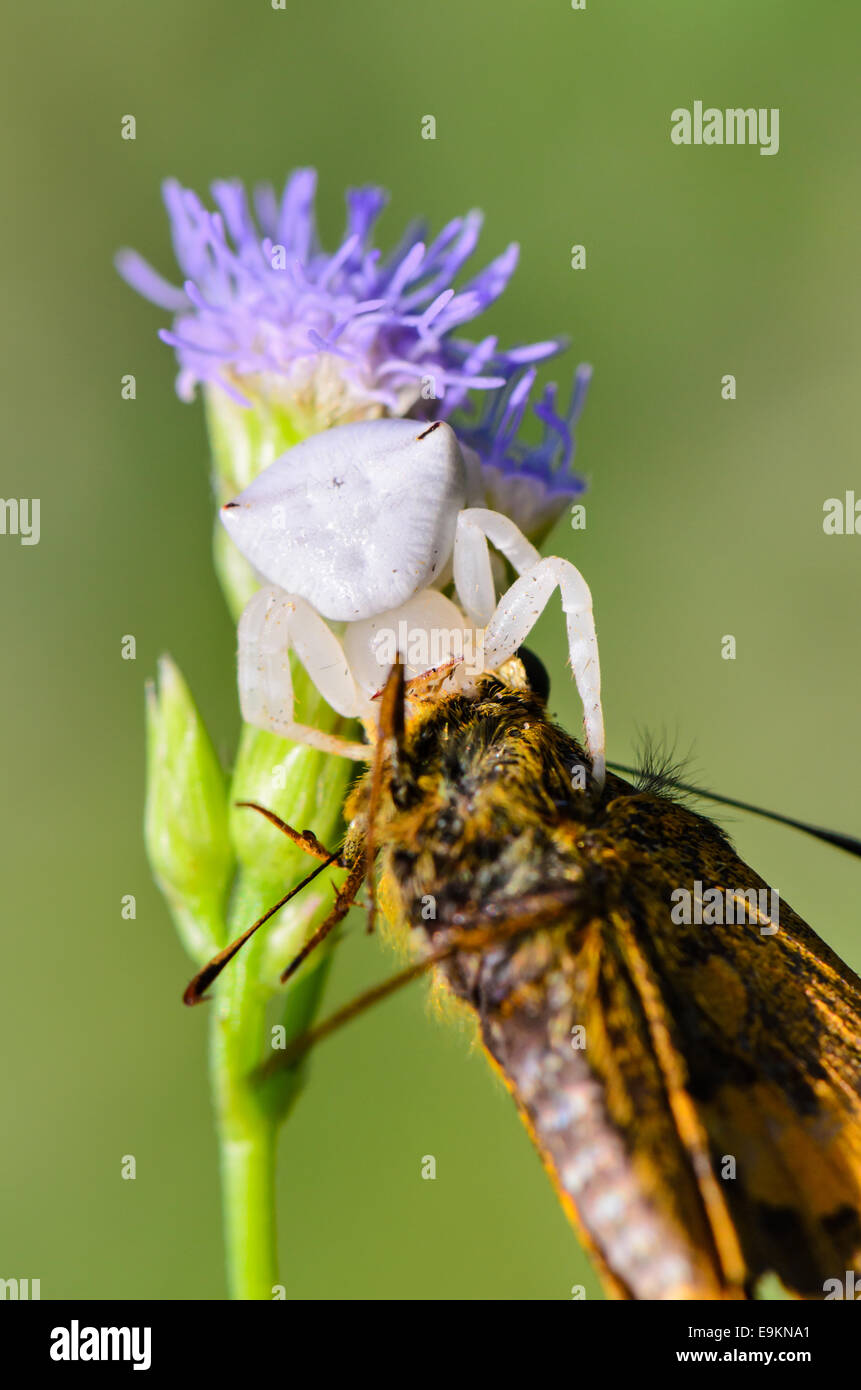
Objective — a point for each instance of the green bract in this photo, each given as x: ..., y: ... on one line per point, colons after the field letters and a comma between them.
x: 186, y: 822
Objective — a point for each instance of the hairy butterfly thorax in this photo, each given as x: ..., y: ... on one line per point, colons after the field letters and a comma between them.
x: 474, y: 800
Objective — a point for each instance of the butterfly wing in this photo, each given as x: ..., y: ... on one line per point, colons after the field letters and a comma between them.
x: 694, y: 1090
x: 768, y: 1024
x: 563, y: 1021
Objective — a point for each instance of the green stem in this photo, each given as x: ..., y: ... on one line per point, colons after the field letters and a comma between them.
x: 248, y: 1114
x: 247, y: 1127
x: 248, y: 1187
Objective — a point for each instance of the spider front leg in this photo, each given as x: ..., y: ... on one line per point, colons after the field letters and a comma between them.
x: 515, y: 617
x: 273, y: 624
x: 473, y: 576
x: 509, y: 623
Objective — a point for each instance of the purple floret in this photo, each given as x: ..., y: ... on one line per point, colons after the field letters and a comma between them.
x: 260, y: 298
x: 535, y: 483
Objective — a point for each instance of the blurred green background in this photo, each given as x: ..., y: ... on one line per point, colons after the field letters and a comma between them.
x: 704, y: 518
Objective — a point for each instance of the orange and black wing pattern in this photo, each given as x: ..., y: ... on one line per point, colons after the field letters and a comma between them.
x: 767, y: 1025
x: 694, y: 1089
x: 574, y: 1042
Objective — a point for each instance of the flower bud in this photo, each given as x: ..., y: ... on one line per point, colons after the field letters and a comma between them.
x: 186, y: 825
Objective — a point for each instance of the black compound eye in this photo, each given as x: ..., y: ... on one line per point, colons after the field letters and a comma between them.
x: 536, y: 673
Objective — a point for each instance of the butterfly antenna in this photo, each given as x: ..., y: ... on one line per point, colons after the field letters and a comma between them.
x: 850, y: 843
x: 195, y: 991
x: 306, y: 840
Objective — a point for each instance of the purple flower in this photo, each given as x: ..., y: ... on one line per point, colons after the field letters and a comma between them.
x: 265, y: 313
x: 533, y: 484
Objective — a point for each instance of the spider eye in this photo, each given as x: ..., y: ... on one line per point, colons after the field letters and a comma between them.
x: 536, y: 673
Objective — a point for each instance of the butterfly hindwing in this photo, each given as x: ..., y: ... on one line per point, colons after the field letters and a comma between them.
x: 768, y: 1023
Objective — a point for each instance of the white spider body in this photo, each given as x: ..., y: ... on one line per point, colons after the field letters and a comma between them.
x: 363, y: 525
x: 356, y: 520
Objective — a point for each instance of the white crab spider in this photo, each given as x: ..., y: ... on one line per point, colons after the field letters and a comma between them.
x: 363, y: 525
